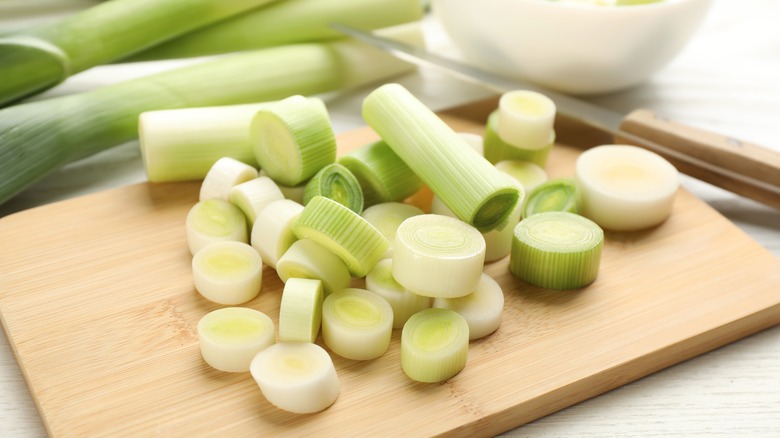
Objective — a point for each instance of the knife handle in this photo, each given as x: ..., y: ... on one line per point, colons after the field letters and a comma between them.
x: 735, y: 165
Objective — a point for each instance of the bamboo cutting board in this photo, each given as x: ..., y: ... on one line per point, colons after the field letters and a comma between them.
x: 98, y: 305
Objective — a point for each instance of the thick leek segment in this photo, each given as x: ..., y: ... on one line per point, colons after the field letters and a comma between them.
x: 214, y: 220
x: 482, y: 308
x: 300, y: 312
x: 387, y: 217
x: 297, y: 377
x: 525, y: 119
x: 438, y: 256
x: 335, y: 182
x: 230, y: 337
x: 225, y: 174
x: 342, y: 231
x: 228, y: 272
x: 496, y: 149
x: 382, y: 175
x: 293, y: 139
x: 272, y: 234
x: 357, y: 324
x: 470, y: 186
x: 557, y: 250
x: 626, y: 188
x: 309, y: 259
x: 254, y: 195
x: 529, y: 175
x: 405, y: 303
x: 560, y: 194
x: 434, y: 345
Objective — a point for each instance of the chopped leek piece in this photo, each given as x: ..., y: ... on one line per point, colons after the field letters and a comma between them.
x: 560, y: 194
x: 525, y: 119
x: 335, y: 182
x: 214, y: 220
x: 309, y: 259
x: 434, y: 345
x: 482, y: 308
x: 300, y: 312
x: 496, y: 149
x: 438, y: 256
x: 272, y: 234
x: 225, y: 174
x: 556, y: 250
x: 386, y: 217
x: 470, y: 186
x: 254, y: 195
x: 227, y: 272
x: 297, y: 377
x: 528, y: 174
x: 355, y: 241
x: 357, y: 324
x: 230, y: 337
x: 626, y: 188
x: 404, y: 302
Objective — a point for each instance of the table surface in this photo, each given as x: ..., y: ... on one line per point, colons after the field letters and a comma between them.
x: 727, y: 80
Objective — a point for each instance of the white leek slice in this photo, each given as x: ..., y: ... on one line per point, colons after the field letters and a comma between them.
x: 254, y: 195
x: 626, y: 188
x: 272, y: 233
x: 357, y: 324
x: 230, y: 337
x: 227, y: 272
x: 297, y: 377
x: 557, y: 250
x: 405, y: 303
x: 224, y: 175
x: 308, y: 259
x: 525, y: 119
x: 214, y: 220
x: 496, y: 149
x: 438, y: 256
x: 482, y: 308
x: 560, y: 194
x: 300, y: 312
x: 527, y: 173
x: 434, y: 345
x: 335, y: 182
x: 387, y: 216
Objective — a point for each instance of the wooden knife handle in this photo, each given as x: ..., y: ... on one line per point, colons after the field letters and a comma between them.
x: 735, y: 165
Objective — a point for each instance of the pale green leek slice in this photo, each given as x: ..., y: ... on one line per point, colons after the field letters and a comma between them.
x: 528, y: 174
x: 438, y: 256
x: 300, y: 312
x: 225, y: 174
x: 214, y: 220
x: 309, y: 259
x: 525, y: 119
x: 560, y: 194
x: 228, y: 272
x: 335, y: 182
x: 297, y: 377
x: 293, y: 139
x: 470, y: 186
x: 230, y: 337
x: 434, y: 345
x: 355, y: 241
x: 405, y: 303
x: 387, y: 217
x: 496, y: 149
x: 254, y: 195
x: 482, y: 308
x: 357, y: 324
x: 272, y: 233
x: 556, y: 250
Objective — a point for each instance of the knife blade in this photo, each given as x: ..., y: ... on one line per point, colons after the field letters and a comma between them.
x: 743, y: 168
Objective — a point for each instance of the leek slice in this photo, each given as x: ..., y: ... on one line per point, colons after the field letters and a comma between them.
x: 496, y: 149
x: 254, y: 195
x: 293, y: 139
x: 228, y: 272
x: 230, y: 337
x: 308, y: 259
x: 560, y: 194
x: 297, y: 377
x: 556, y: 250
x: 386, y: 217
x: 529, y: 175
x: 626, y: 188
x: 272, y: 234
x: 525, y: 119
x: 470, y: 186
x: 300, y: 312
x: 434, y: 345
x: 214, y: 220
x: 335, y: 182
x: 355, y: 241
x: 482, y: 308
x: 225, y: 174
x: 357, y: 324
x: 405, y: 303
x: 438, y: 256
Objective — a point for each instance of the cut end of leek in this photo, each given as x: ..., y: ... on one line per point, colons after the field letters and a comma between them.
x: 214, y: 220
x: 357, y: 324
x: 300, y: 312
x: 272, y: 233
x: 227, y: 272
x: 481, y: 309
x: 387, y: 217
x: 231, y: 337
x: 434, y: 345
x: 405, y: 303
x: 225, y: 174
x: 496, y: 149
x: 561, y: 194
x: 335, y: 182
x: 525, y: 119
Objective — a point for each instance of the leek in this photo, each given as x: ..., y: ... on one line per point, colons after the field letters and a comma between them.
x: 227, y: 272
x: 560, y: 194
x: 404, y: 302
x: 335, y: 182
x: 272, y: 233
x: 230, y: 337
x: 308, y: 259
x: 525, y: 119
x: 300, y: 312
x: 387, y: 217
x: 254, y: 195
x: 496, y: 149
x: 434, y: 345
x: 225, y: 174
x: 481, y: 309
x: 357, y: 324
x: 214, y: 220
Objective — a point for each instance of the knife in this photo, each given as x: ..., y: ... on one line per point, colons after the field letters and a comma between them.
x: 737, y: 166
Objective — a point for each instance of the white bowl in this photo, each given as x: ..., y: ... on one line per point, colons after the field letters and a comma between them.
x: 574, y: 48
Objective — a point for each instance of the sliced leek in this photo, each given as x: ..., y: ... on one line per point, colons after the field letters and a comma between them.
x: 525, y: 119
x: 482, y: 308
x: 335, y: 182
x: 357, y: 324
x: 297, y: 377
x: 560, y: 194
x: 214, y: 220
x: 300, y: 312
x: 387, y: 216
x: 496, y: 149
x: 528, y: 174
x: 556, y: 250
x: 405, y: 303
x: 626, y: 188
x: 225, y: 174
x: 230, y: 337
x: 272, y: 233
x: 438, y: 256
x: 308, y: 259
x: 254, y: 195
x: 227, y: 272
x: 434, y: 345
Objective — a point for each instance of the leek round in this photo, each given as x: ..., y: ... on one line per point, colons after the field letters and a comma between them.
x: 357, y: 324
x: 272, y: 233
x: 335, y: 182
x: 560, y: 194
x: 525, y: 119
x: 386, y: 217
x: 308, y: 259
x: 300, y: 311
x: 230, y: 337
x: 214, y: 220
x: 496, y: 149
x: 254, y: 195
x: 434, y: 345
x: 404, y: 302
x: 482, y: 308
x: 225, y: 174
x: 227, y: 272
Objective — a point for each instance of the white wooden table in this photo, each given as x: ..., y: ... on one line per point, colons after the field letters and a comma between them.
x: 727, y: 80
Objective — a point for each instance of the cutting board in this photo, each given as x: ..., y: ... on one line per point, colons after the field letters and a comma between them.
x: 98, y: 305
